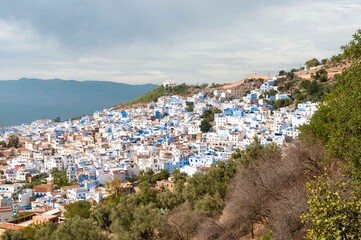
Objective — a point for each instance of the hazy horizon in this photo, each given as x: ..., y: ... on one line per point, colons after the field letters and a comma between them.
x: 76, y: 80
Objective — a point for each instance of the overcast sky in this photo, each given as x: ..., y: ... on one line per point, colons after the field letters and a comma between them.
x: 150, y: 41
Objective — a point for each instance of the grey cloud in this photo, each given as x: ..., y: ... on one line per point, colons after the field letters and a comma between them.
x: 150, y: 41
x: 86, y: 24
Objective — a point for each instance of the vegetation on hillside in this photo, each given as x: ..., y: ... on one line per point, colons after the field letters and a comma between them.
x: 152, y: 96
x: 301, y: 90
x: 12, y: 141
x: 208, y: 119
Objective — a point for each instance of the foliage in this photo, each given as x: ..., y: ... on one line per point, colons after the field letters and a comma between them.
x: 210, y: 205
x: 304, y: 84
x: 334, y: 205
x: 163, y: 174
x: 60, y: 178
x: 31, y: 232
x: 205, y: 126
x: 337, y: 122
x: 40, y: 232
x: 39, y: 180
x: 271, y: 92
x: 312, y: 90
x: 312, y: 63
x: 282, y: 72
x: 321, y: 75
x: 334, y: 212
x: 12, y: 235
x: 190, y: 106
x: 352, y: 50
x: 78, y: 208
x: 268, y: 189
x: 205, y: 191
x: 160, y: 91
x: 207, y: 119
x: 57, y: 119
x: 280, y: 103
x: 78, y: 228
x: 132, y: 221
x: 216, y: 85
x: 12, y: 141
x: 150, y: 177
x: 102, y: 216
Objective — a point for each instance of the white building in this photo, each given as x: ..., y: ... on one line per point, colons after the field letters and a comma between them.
x: 6, y: 214
x: 77, y: 194
x: 9, y: 189
x: 188, y: 170
x: 24, y: 197
x: 220, y: 120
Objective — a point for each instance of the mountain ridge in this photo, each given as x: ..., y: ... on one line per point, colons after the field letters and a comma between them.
x: 28, y: 99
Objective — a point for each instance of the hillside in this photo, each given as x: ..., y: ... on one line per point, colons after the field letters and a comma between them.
x: 246, y: 80
x: 154, y: 94
x: 26, y: 100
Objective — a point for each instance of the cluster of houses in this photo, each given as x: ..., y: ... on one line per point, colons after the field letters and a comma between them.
x: 120, y: 145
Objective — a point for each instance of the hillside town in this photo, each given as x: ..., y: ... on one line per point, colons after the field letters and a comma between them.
x: 110, y: 145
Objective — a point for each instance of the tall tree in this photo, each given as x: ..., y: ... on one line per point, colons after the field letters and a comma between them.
x: 79, y: 208
x: 78, y: 228
x: 312, y: 63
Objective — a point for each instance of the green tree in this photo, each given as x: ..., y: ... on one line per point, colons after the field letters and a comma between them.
x: 190, y: 106
x: 321, y: 75
x: 13, y: 235
x: 315, y: 91
x: 44, y: 232
x: 102, y: 215
x: 352, y: 50
x: 13, y: 141
x: 60, y: 178
x: 79, y: 208
x: 312, y: 63
x: 334, y: 212
x: 57, y: 119
x: 304, y: 84
x: 163, y: 174
x: 168, y: 200
x: 205, y: 125
x: 78, y: 228
x: 338, y: 121
x: 209, y: 205
x: 3, y: 144
x: 131, y: 221
x: 280, y: 103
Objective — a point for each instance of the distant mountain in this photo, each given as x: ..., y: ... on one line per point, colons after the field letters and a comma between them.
x: 26, y: 100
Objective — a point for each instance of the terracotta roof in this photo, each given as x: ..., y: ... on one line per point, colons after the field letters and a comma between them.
x: 64, y: 188
x: 41, y: 188
x: 11, y: 226
x: 23, y: 149
x: 6, y: 209
x: 45, y: 216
